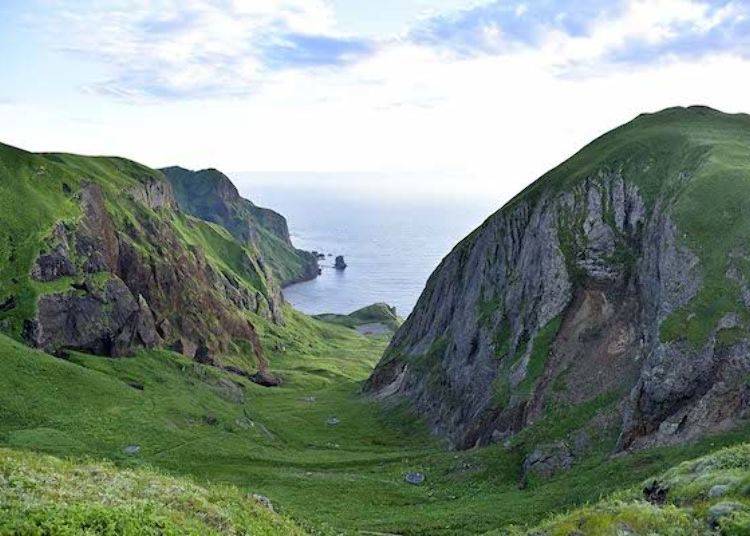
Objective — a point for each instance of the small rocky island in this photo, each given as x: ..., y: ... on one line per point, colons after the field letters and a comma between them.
x: 340, y: 264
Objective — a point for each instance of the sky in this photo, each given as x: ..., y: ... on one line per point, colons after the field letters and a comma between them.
x: 378, y: 98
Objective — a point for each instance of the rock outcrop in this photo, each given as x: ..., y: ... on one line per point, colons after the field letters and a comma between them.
x: 130, y: 297
x: 210, y: 195
x: 591, y: 287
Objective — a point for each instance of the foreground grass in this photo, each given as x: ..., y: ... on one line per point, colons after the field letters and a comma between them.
x: 44, y: 495
x: 710, y: 495
x: 345, y: 477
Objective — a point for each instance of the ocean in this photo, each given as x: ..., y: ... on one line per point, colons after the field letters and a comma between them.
x: 391, y: 246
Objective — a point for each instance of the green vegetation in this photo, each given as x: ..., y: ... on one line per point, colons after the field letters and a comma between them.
x: 377, y: 313
x: 541, y: 346
x: 193, y: 420
x: 712, y: 492
x: 208, y: 194
x: 45, y: 495
x: 330, y: 460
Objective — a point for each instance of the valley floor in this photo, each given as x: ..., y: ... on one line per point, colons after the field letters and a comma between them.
x: 327, y: 458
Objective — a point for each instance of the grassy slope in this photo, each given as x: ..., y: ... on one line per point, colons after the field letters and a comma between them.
x: 377, y: 313
x: 46, y: 495
x: 277, y: 441
x: 689, y: 509
x: 43, y: 186
x: 196, y: 192
x: 189, y: 421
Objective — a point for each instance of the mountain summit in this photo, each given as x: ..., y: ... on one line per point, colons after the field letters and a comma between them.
x: 615, y: 287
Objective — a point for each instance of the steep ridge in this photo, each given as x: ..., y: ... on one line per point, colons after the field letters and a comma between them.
x: 616, y: 281
x: 210, y: 195
x: 96, y: 256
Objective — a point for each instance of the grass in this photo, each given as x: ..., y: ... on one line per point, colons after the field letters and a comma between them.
x: 697, y: 489
x: 207, y: 194
x: 377, y: 313
x: 42, y: 495
x: 194, y: 421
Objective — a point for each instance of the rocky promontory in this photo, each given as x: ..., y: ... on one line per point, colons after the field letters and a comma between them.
x: 617, y: 284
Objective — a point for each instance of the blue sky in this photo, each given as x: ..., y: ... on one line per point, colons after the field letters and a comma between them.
x: 485, y: 92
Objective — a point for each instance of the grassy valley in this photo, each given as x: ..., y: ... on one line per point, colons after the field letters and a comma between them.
x: 328, y: 476
x: 179, y: 435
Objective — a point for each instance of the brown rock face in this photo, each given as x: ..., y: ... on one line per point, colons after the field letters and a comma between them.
x: 137, y: 276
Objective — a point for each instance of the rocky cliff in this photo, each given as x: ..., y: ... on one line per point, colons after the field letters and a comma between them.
x: 211, y: 196
x: 617, y: 281
x: 96, y: 256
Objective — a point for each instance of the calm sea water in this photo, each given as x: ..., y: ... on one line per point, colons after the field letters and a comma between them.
x: 391, y: 247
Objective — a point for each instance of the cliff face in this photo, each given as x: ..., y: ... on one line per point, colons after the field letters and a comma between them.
x: 96, y: 256
x: 211, y: 196
x: 617, y: 279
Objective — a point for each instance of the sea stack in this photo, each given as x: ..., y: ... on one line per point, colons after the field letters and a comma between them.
x: 340, y: 264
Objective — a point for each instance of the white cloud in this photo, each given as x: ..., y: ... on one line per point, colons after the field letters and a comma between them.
x: 485, y: 124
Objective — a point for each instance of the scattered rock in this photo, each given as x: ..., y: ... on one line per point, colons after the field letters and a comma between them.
x: 718, y: 490
x: 210, y: 420
x: 333, y: 421
x: 414, y: 478
x: 203, y: 356
x: 339, y: 263
x: 265, y: 379
x: 720, y: 510
x: 51, y: 266
x: 8, y: 304
x: 309, y: 399
x: 263, y: 501
x: 656, y: 493
x: 546, y: 460
x: 132, y: 449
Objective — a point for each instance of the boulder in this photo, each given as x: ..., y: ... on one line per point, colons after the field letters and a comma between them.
x: 339, y: 263
x: 656, y: 493
x: 547, y: 460
x: 106, y: 321
x: 266, y: 379
x: 414, y: 478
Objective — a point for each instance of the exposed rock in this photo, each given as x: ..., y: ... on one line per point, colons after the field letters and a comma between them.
x: 414, y: 478
x: 132, y: 449
x: 718, y: 490
x: 333, y: 421
x: 210, y: 195
x: 547, y: 460
x: 656, y: 493
x: 265, y: 379
x: 263, y: 501
x: 8, y: 304
x: 107, y: 321
x: 561, y: 297
x: 56, y: 262
x: 51, y: 266
x: 339, y: 263
x: 154, y: 194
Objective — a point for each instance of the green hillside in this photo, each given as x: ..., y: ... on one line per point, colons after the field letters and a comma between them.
x: 210, y: 195
x: 709, y: 495
x: 189, y: 419
x: 171, y: 441
x: 46, y: 495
